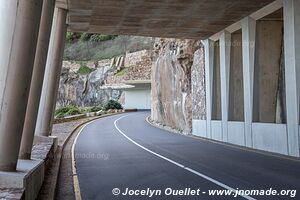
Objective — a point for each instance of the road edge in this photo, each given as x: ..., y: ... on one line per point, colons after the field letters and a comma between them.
x: 76, y: 186
x: 266, y: 153
x: 59, y: 154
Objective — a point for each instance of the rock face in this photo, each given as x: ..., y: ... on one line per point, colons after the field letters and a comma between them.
x: 85, y: 90
x: 89, y: 90
x: 171, y: 82
x: 198, y: 85
x: 137, y: 66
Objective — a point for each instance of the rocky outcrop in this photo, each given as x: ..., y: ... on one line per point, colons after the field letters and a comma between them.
x: 93, y: 89
x: 137, y: 66
x: 171, y: 82
x: 198, y: 85
x: 85, y: 89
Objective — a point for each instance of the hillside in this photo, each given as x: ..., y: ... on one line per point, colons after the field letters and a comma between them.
x: 85, y: 47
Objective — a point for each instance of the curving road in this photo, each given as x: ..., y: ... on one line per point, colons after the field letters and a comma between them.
x: 126, y: 153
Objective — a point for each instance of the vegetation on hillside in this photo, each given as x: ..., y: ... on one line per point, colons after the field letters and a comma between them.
x: 67, y: 111
x: 74, y: 37
x: 70, y: 110
x: 84, y: 69
x: 112, y: 104
x: 122, y: 72
x: 87, y: 46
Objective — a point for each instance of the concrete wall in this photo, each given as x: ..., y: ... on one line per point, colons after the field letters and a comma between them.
x: 236, y: 83
x: 266, y: 70
x: 138, y: 99
x: 263, y: 68
x: 216, y: 97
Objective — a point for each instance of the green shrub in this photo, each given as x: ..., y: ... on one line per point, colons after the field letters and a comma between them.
x: 122, y: 72
x: 85, y: 37
x: 66, y: 111
x: 96, y: 109
x: 112, y: 104
x: 85, y: 110
x: 60, y: 115
x: 70, y: 36
x: 73, y: 111
x: 85, y: 69
x: 100, y: 37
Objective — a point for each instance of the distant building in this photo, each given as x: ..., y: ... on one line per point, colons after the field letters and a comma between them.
x: 137, y: 94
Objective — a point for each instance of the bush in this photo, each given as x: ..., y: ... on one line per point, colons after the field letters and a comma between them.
x: 73, y: 111
x: 84, y: 69
x: 66, y: 111
x: 96, y: 109
x: 70, y: 36
x: 112, y: 104
x: 99, y: 38
x: 85, y: 37
x: 122, y: 72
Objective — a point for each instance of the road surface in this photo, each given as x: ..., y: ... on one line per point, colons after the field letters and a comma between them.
x: 124, y: 157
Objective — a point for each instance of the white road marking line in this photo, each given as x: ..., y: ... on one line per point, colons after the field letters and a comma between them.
x: 176, y: 163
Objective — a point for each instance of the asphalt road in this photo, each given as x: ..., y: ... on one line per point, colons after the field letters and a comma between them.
x: 124, y: 151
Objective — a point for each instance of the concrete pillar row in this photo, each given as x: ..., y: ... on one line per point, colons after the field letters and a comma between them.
x: 225, y: 47
x: 291, y: 12
x: 37, y: 79
x: 248, y: 42
x: 209, y: 63
x: 52, y: 73
x: 19, y: 28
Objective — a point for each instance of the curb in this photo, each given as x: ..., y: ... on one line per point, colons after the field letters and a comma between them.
x: 166, y: 128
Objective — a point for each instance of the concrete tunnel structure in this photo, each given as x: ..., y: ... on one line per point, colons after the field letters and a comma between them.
x: 239, y: 78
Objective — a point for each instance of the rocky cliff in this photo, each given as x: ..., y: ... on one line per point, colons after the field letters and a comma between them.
x: 91, y: 83
x: 198, y: 85
x: 171, y: 82
x: 84, y: 89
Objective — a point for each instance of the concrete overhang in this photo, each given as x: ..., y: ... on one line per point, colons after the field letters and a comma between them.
x: 194, y: 19
x: 130, y: 85
x: 139, y: 84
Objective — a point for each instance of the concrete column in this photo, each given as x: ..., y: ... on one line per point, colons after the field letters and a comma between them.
x: 37, y: 79
x: 19, y: 28
x: 292, y: 72
x: 248, y: 38
x: 225, y: 46
x: 52, y: 73
x: 209, y: 58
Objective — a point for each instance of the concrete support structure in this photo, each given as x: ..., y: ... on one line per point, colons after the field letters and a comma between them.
x: 261, y: 62
x: 225, y: 46
x: 52, y: 73
x: 248, y: 40
x: 37, y: 79
x: 18, y: 38
x: 292, y: 72
x: 209, y: 58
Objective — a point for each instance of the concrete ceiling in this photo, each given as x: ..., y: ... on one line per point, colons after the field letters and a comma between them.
x: 195, y: 19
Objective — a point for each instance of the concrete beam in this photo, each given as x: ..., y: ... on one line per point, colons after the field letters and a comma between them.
x: 268, y: 9
x: 37, y: 79
x: 209, y: 63
x: 52, y: 74
x: 248, y: 38
x: 225, y: 46
x: 292, y: 72
x: 197, y: 18
x: 19, y: 28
